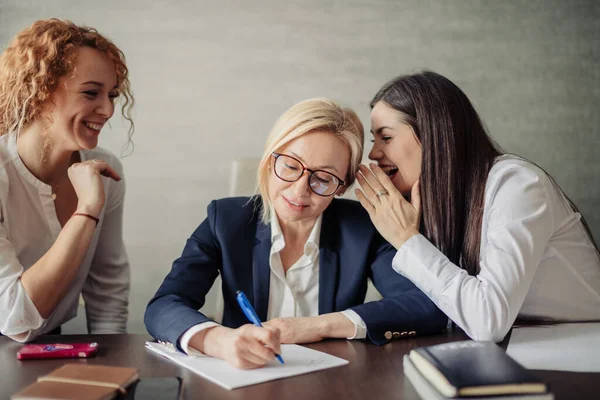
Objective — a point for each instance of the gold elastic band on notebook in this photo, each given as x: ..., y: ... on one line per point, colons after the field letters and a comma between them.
x: 83, y: 382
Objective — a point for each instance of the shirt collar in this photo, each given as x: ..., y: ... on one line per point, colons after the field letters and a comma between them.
x: 278, y: 241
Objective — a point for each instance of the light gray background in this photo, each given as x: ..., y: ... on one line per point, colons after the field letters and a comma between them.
x: 211, y: 77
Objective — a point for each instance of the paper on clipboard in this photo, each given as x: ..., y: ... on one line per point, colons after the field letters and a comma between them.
x: 298, y: 360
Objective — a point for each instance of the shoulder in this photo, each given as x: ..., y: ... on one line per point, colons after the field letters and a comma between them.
x: 100, y: 153
x: 516, y: 188
x: 349, y: 214
x: 512, y: 173
x: 233, y: 210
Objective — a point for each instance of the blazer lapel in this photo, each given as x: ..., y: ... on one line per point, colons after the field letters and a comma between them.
x: 261, y: 271
x: 328, y: 261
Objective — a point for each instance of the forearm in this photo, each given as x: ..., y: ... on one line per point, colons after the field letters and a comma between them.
x: 47, y: 281
x: 335, y: 325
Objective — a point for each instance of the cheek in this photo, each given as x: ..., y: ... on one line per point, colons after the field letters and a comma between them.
x: 276, y: 186
x: 322, y: 203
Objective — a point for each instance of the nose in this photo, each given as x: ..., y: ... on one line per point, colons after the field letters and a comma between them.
x: 301, y: 186
x: 106, y: 107
x: 376, y: 153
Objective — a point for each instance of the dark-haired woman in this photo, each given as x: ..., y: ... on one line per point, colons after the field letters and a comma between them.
x: 487, y: 236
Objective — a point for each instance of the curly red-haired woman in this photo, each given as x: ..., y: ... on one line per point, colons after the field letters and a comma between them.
x: 61, y: 197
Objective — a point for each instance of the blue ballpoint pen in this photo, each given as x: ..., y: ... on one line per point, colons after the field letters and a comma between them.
x: 251, y: 314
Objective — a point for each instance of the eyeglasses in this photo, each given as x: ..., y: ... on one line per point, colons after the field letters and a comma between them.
x: 321, y: 182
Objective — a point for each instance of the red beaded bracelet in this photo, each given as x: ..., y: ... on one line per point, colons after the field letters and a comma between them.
x: 89, y: 216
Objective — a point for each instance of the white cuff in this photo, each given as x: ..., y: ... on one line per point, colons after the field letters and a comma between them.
x: 187, y: 336
x: 360, y: 328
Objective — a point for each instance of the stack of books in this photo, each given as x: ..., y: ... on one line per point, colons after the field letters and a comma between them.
x: 471, y: 370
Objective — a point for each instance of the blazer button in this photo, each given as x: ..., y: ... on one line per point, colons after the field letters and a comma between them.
x: 396, y: 335
x: 388, y: 335
x: 412, y: 333
x: 403, y: 334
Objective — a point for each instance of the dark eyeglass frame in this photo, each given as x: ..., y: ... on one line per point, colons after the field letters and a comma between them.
x: 304, y: 169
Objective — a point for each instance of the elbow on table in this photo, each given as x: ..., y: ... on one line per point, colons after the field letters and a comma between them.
x: 488, y: 332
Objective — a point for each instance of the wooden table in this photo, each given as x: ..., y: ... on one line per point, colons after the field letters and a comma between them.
x: 373, y: 373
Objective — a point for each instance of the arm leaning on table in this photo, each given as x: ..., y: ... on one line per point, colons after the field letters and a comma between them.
x: 173, y: 309
x: 106, y: 289
x: 403, y: 308
x: 28, y: 297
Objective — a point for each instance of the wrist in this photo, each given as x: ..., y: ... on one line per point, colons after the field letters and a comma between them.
x: 401, y: 239
x: 208, y: 341
x: 89, y: 209
x: 324, y: 325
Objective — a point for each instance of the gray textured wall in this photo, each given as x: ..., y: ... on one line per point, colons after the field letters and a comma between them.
x: 210, y: 78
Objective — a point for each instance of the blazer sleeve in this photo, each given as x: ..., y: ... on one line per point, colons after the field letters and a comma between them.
x: 174, y: 308
x: 404, y: 308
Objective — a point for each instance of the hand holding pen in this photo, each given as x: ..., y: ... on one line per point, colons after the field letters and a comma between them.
x: 251, y: 314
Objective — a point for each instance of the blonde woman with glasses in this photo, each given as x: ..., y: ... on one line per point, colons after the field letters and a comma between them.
x: 301, y: 256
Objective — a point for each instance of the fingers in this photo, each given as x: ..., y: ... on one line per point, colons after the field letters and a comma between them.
x: 110, y: 173
x: 254, y: 346
x: 415, y: 197
x: 367, y: 205
x: 272, y: 340
x: 366, y: 185
x: 381, y: 178
x: 104, y: 169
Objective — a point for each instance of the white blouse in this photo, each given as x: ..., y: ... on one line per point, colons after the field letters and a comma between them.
x: 536, y: 260
x: 29, y: 227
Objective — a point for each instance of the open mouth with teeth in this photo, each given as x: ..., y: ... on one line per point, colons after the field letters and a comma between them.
x: 390, y: 170
x: 93, y: 126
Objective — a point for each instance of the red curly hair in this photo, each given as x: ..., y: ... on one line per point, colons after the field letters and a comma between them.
x: 33, y: 63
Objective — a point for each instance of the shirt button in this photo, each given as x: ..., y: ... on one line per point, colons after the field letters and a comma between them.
x: 388, y: 335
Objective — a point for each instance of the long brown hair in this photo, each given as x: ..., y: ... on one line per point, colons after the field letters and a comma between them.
x: 457, y: 157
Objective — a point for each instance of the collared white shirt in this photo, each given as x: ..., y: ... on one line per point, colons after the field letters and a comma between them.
x: 29, y: 227
x: 536, y: 259
x: 291, y: 294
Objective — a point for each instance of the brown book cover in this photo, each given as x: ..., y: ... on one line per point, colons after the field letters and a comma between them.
x: 80, y: 381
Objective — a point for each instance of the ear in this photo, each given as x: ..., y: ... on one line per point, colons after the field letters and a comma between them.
x: 341, y: 190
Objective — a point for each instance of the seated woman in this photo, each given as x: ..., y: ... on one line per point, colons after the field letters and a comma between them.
x: 61, y: 198
x: 487, y: 236
x: 302, y: 257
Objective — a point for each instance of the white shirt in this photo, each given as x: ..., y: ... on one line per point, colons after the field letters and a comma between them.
x: 29, y: 227
x: 536, y: 259
x: 291, y: 294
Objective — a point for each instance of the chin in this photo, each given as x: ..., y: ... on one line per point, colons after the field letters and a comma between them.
x: 88, y: 143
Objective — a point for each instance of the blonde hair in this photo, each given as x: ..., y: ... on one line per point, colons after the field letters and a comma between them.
x: 33, y: 63
x: 319, y: 114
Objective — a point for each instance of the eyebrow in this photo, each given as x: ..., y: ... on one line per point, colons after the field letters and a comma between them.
x: 97, y: 84
x: 378, y: 131
x: 319, y: 167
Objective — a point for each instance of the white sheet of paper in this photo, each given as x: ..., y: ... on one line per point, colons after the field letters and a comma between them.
x: 562, y: 347
x: 298, y: 360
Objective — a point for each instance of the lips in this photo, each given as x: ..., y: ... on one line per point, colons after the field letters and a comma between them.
x: 390, y: 170
x: 294, y: 205
x: 94, y: 126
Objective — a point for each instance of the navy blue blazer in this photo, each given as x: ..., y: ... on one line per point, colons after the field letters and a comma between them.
x: 233, y: 242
